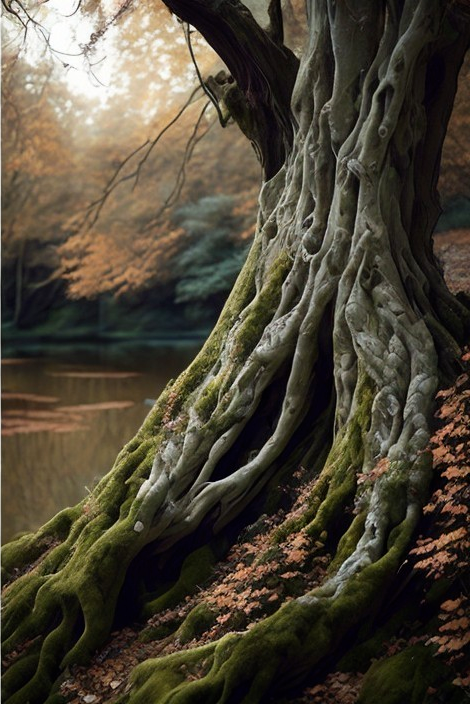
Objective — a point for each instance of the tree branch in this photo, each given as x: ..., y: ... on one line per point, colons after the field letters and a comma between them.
x: 192, y: 142
x: 93, y: 210
x: 276, y: 28
x: 263, y: 70
x: 204, y: 86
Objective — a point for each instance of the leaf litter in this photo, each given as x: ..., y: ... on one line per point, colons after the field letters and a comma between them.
x: 259, y: 573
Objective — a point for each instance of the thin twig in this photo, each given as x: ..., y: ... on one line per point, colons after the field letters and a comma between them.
x: 93, y: 210
x: 181, y: 176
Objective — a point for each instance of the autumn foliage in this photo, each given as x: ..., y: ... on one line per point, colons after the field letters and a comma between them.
x: 62, y: 150
x: 69, y: 157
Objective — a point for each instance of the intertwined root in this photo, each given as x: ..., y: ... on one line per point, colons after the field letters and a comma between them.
x: 278, y: 652
x: 63, y: 608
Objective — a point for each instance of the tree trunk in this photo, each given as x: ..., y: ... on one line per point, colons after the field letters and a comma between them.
x: 19, y: 274
x: 336, y: 333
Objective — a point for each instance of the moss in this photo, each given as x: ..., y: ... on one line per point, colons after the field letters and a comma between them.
x: 163, y: 630
x: 18, y: 673
x: 241, y: 294
x: 28, y: 548
x: 337, y: 481
x: 18, y: 603
x: 208, y: 399
x: 286, y: 645
x: 56, y: 699
x: 197, y: 622
x: 348, y: 541
x: 272, y: 554
x: 96, y: 538
x: 333, y: 505
x: 196, y: 569
x: 406, y: 677
x: 260, y: 311
x: 153, y: 680
x: 70, y: 611
x: 367, y: 648
x: 263, y: 306
x: 36, y: 690
x: 438, y: 590
x: 291, y: 525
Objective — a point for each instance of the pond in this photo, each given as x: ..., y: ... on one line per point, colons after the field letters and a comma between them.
x: 64, y: 419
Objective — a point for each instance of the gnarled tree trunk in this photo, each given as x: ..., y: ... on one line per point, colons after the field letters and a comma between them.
x: 336, y: 333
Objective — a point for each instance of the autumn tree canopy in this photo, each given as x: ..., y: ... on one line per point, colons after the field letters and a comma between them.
x: 79, y: 156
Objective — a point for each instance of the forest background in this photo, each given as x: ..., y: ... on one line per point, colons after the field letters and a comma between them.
x: 118, y: 220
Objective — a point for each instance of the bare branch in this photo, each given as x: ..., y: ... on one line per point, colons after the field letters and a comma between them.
x: 99, y: 34
x: 93, y: 211
x: 181, y: 176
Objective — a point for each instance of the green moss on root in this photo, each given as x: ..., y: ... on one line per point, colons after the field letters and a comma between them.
x: 240, y: 296
x: 283, y: 648
x: 406, y: 677
x: 69, y: 612
x: 263, y: 306
x: 197, y: 622
x: 336, y: 484
x: 28, y: 548
x: 348, y: 542
x: 195, y: 570
x: 153, y: 680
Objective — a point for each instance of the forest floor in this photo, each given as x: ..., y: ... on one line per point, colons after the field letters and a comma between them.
x: 453, y: 250
x: 264, y: 569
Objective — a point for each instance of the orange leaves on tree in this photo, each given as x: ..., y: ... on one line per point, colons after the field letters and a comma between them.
x: 454, y: 632
x: 97, y: 263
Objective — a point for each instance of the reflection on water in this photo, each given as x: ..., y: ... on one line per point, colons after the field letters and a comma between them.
x: 63, y: 424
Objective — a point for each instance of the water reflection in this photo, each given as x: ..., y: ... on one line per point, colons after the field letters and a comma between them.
x: 63, y: 424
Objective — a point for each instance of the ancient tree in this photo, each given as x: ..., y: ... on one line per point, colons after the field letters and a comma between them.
x: 328, y: 354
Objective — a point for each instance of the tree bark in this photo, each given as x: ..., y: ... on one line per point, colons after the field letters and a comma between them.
x: 19, y: 274
x: 340, y: 319
x: 263, y: 68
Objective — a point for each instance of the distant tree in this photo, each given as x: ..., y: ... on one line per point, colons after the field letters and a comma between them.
x: 35, y: 159
x: 328, y: 354
x: 60, y: 150
x: 211, y: 261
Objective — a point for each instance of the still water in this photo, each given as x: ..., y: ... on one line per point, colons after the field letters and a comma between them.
x: 65, y: 418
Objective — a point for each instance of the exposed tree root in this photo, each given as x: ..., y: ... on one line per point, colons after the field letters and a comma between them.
x: 282, y: 649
